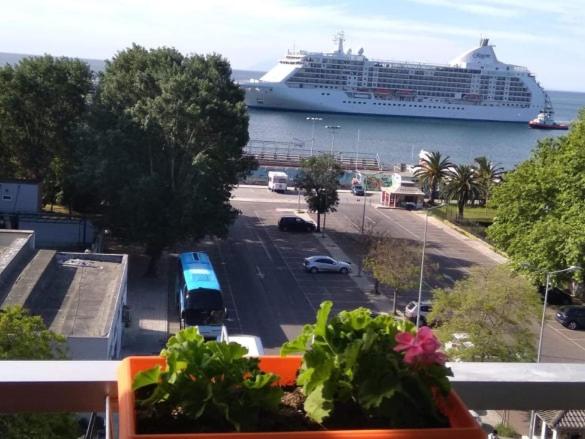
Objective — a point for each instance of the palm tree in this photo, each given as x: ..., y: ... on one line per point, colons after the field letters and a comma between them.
x: 462, y: 185
x: 488, y: 174
x: 431, y: 171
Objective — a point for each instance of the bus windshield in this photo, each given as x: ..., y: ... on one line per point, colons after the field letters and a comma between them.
x: 204, y: 307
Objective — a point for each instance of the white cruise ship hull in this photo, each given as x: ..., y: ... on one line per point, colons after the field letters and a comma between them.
x: 281, y: 97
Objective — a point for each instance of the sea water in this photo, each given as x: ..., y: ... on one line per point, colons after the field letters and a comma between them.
x: 400, y: 139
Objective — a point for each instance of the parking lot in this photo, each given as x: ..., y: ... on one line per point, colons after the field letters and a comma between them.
x: 269, y: 294
x: 267, y: 290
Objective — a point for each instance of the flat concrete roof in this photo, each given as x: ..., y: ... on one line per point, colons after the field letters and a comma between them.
x: 75, y: 293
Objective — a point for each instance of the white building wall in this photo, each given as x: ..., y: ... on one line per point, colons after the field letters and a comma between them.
x: 19, y: 197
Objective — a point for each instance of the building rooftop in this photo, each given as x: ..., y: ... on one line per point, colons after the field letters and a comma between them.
x: 75, y: 293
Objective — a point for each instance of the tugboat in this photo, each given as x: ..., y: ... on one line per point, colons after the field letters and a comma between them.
x: 545, y: 121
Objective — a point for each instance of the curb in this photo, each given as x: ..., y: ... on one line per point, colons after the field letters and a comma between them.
x: 466, y: 234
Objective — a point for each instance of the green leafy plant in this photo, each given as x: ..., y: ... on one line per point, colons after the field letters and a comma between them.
x: 210, y: 383
x: 374, y: 367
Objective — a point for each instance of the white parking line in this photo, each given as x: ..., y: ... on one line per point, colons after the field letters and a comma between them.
x: 288, y: 267
x: 562, y: 334
x: 258, y: 237
x: 229, y: 285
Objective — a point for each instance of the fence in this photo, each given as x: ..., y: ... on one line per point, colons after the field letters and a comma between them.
x: 277, y: 153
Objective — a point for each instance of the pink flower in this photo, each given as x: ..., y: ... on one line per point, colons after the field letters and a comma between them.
x: 420, y: 348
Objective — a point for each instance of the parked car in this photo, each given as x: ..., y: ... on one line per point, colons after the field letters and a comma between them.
x: 357, y: 189
x: 556, y: 296
x: 409, y: 205
x: 572, y: 316
x: 295, y: 224
x: 316, y: 264
x: 411, y: 309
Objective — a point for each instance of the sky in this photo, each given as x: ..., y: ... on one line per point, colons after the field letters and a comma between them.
x: 546, y: 37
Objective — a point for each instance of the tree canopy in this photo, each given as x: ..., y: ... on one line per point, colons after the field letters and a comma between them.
x: 488, y: 175
x: 462, y: 185
x: 396, y: 263
x: 496, y: 308
x: 431, y: 171
x: 540, y: 205
x: 319, y: 178
x: 42, y: 102
x: 25, y: 337
x: 165, y: 146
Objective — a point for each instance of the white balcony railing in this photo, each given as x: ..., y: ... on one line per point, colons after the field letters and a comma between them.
x: 87, y: 386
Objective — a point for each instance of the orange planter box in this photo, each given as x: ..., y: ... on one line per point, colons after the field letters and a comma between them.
x: 463, y: 426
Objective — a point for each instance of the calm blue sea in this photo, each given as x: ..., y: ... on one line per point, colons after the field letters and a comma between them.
x: 400, y: 139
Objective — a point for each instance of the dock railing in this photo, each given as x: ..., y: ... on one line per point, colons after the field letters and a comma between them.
x: 279, y: 153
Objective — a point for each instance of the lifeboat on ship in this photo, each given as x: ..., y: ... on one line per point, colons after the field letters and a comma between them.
x: 471, y: 97
x: 545, y: 121
x: 405, y: 92
x: 383, y: 91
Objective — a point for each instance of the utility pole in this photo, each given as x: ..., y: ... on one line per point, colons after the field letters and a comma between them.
x: 365, y: 196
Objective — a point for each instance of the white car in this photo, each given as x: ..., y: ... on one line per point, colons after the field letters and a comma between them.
x: 411, y: 310
x: 316, y: 264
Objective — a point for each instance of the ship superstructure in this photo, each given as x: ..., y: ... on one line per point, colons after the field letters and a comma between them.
x: 473, y: 86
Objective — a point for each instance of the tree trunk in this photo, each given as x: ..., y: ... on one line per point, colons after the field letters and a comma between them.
x: 376, y: 286
x: 394, y: 304
x: 461, y: 206
x: 155, y: 252
x: 318, y: 221
x: 432, y: 198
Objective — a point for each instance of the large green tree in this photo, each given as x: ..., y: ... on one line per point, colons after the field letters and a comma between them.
x: 462, y: 185
x: 319, y: 178
x: 539, y: 220
x: 496, y: 308
x: 431, y: 171
x: 397, y: 263
x: 168, y: 134
x: 42, y: 102
x: 25, y: 337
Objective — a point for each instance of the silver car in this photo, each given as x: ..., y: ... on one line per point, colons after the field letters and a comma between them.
x: 315, y: 264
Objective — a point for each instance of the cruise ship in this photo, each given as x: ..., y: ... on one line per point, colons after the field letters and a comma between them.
x: 474, y: 86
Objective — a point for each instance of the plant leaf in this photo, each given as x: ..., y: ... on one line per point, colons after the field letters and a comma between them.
x: 147, y: 378
x: 318, y: 405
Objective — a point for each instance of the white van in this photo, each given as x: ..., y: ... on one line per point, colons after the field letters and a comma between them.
x: 277, y: 181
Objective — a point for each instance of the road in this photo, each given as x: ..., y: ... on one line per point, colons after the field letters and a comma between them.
x: 270, y: 295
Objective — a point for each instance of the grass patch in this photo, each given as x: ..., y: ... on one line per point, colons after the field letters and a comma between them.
x: 505, y: 430
x: 480, y: 214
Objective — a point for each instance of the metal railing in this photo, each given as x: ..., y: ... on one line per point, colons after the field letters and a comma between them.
x: 83, y: 386
x: 279, y: 153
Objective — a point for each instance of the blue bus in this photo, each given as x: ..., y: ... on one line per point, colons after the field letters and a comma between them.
x: 198, y: 295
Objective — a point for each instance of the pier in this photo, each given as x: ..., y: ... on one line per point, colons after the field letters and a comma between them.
x: 290, y: 154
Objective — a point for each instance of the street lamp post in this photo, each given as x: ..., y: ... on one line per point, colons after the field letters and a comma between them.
x: 422, y: 265
x: 548, y: 274
x: 313, y: 119
x: 332, y: 128
x: 365, y: 196
x: 541, y: 335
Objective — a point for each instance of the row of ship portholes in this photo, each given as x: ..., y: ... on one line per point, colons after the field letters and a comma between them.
x: 404, y: 105
x: 428, y: 106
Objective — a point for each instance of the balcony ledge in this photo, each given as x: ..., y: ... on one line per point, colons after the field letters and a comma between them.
x: 82, y: 386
